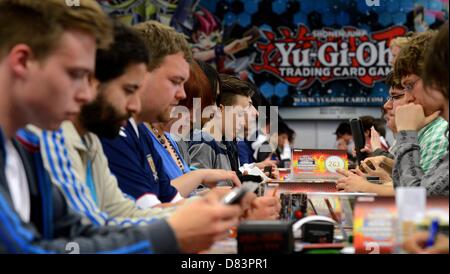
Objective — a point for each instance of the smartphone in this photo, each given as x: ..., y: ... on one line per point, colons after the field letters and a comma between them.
x: 250, y: 178
x: 369, y: 164
x: 387, y: 165
x: 359, y: 139
x: 374, y: 179
x: 236, y: 195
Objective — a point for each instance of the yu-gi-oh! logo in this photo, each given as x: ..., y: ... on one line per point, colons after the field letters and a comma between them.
x: 302, y: 57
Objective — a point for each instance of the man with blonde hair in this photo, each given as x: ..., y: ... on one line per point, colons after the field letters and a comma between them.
x: 395, y: 46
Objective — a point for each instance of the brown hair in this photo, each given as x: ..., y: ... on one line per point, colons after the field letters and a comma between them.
x: 368, y: 122
x: 232, y: 86
x: 198, y: 86
x: 435, y: 72
x: 411, y: 58
x: 161, y: 41
x: 39, y: 24
x: 393, y: 81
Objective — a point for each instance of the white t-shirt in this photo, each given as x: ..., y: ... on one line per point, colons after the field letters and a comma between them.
x: 17, y: 182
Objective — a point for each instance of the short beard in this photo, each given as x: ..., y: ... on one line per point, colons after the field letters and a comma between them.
x: 101, y: 118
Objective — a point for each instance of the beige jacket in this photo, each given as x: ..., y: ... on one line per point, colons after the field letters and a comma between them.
x: 66, y: 156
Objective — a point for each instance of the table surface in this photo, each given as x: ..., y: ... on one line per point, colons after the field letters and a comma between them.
x: 301, y: 186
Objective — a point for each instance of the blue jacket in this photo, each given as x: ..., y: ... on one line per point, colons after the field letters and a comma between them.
x: 137, y: 165
x: 245, y: 152
x: 54, y: 227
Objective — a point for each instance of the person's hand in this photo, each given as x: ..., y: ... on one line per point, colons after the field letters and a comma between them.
x: 375, y: 166
x: 203, y: 192
x: 164, y: 205
x: 416, y: 244
x: 351, y: 182
x: 218, y: 193
x: 210, y: 177
x: 375, y: 142
x: 267, y: 162
x: 264, y: 208
x: 200, y: 223
x: 383, y: 162
x: 273, y: 174
x: 237, y: 45
x: 367, y: 148
x: 358, y: 172
x: 246, y: 202
x: 412, y: 117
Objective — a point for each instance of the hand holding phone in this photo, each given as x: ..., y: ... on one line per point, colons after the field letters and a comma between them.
x: 236, y: 195
x: 379, y: 166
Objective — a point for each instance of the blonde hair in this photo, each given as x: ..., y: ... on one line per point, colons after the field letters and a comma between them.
x: 399, y: 42
x: 161, y: 41
x: 40, y: 23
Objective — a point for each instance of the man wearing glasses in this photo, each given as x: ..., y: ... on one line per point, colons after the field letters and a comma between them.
x: 418, y: 123
x: 432, y: 145
x: 397, y: 97
x: 431, y: 138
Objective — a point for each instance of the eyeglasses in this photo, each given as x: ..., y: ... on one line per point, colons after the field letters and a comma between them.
x: 395, y: 97
x: 408, y: 87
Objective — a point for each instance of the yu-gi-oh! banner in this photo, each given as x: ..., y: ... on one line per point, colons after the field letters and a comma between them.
x: 298, y: 52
